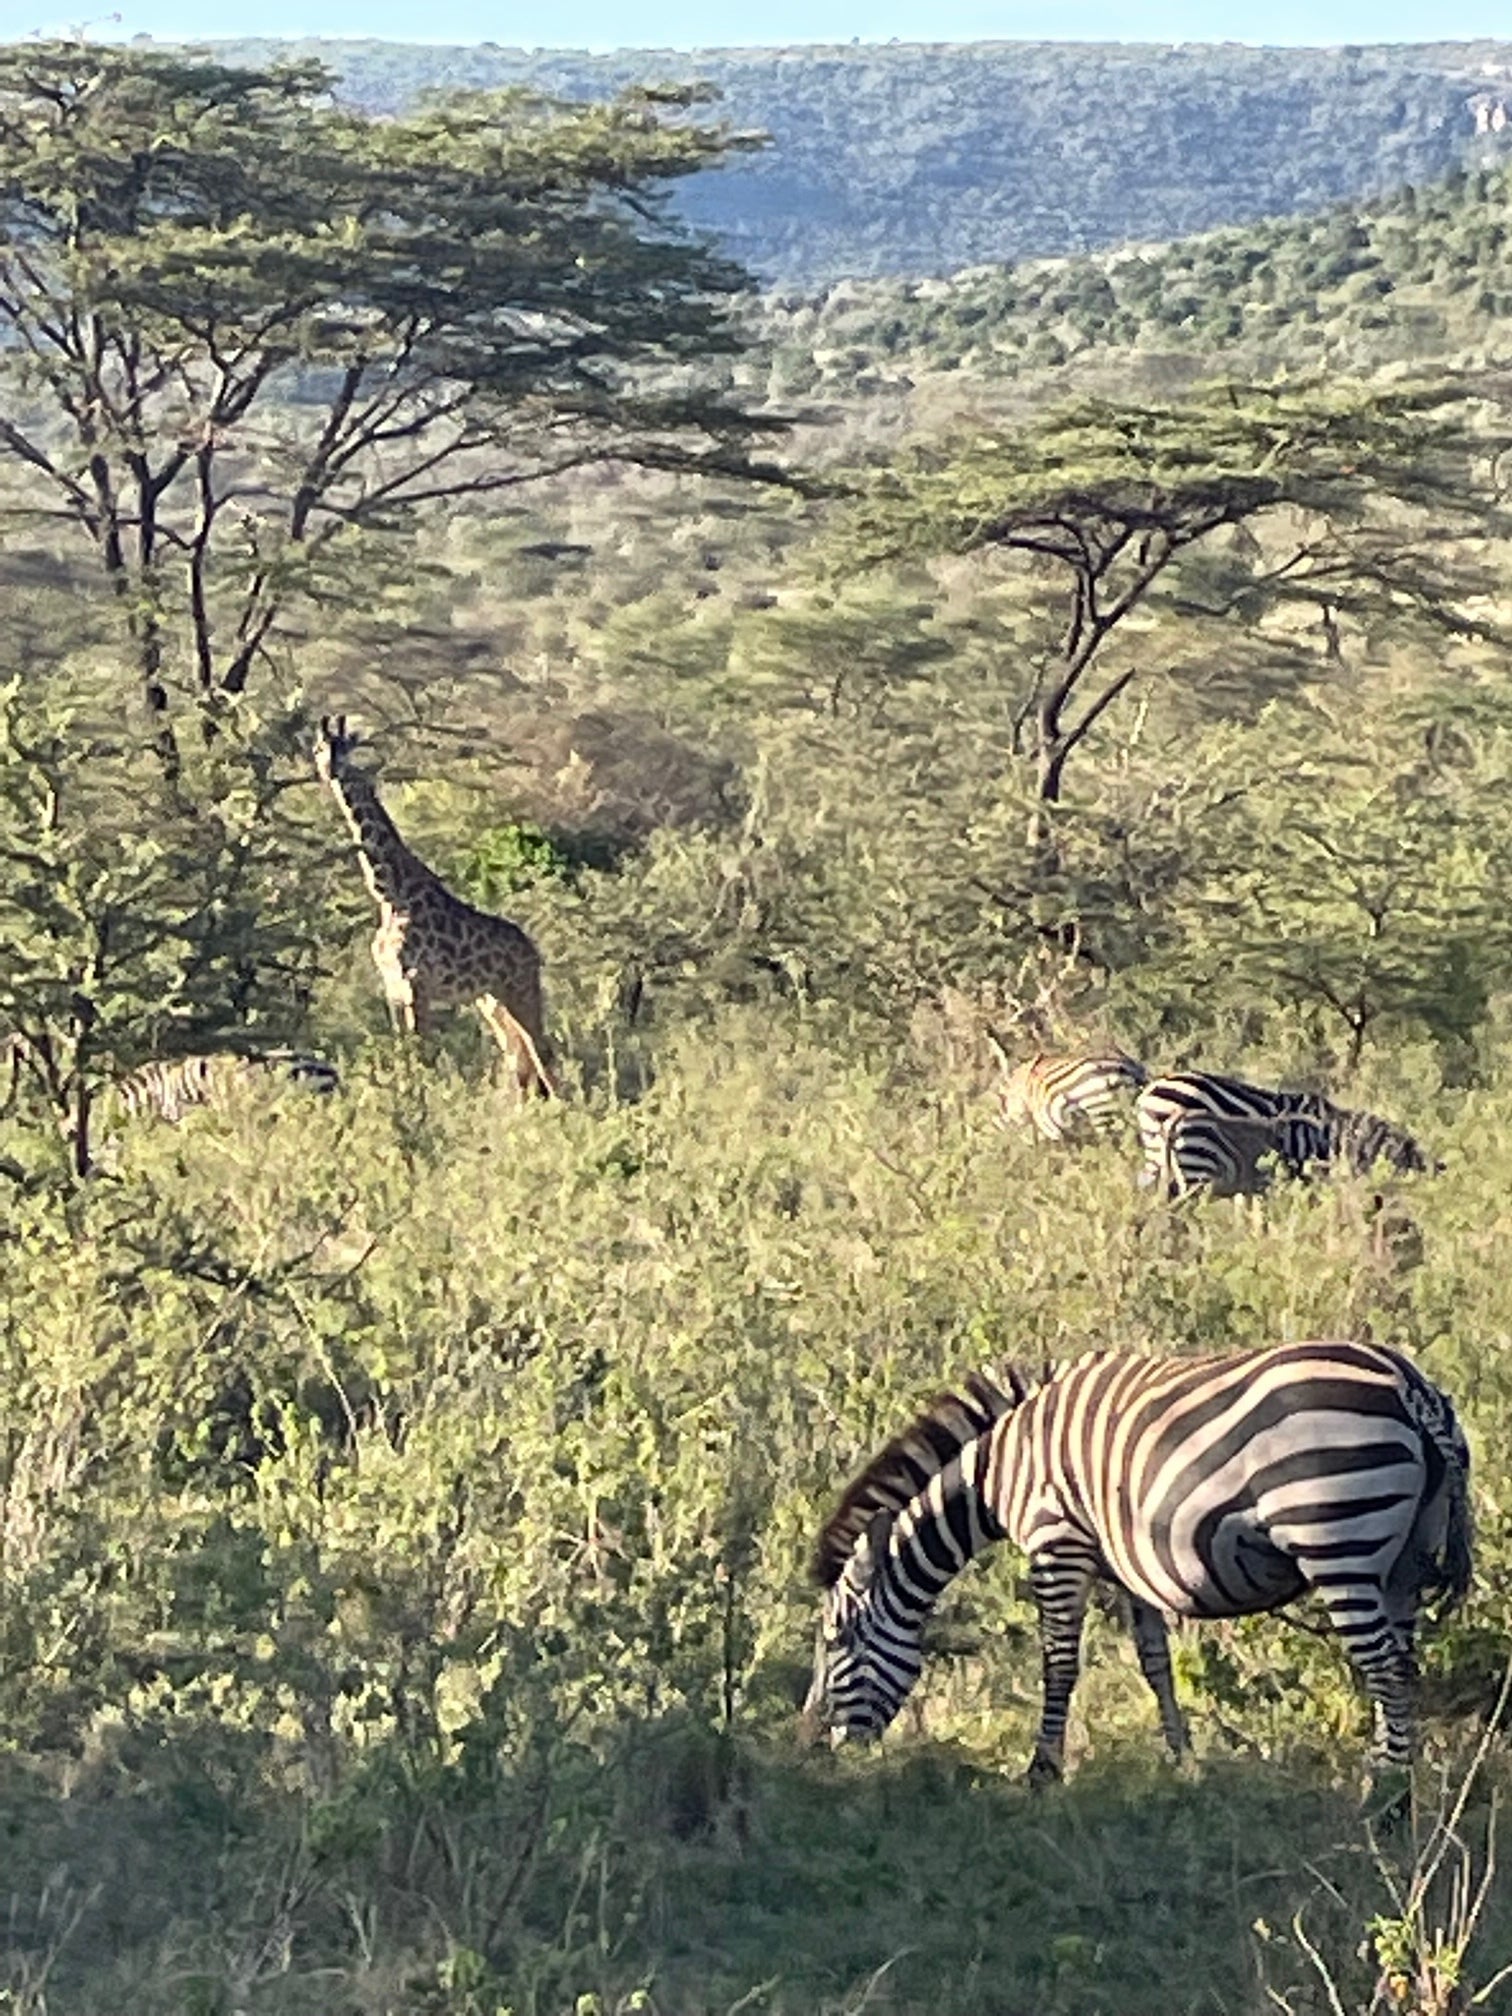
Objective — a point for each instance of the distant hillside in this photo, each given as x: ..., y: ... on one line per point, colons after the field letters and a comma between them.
x: 1422, y: 274
x: 922, y: 159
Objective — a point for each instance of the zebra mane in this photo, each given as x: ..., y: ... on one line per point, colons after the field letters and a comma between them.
x: 898, y: 1472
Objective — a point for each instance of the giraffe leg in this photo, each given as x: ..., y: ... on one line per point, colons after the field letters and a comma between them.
x: 521, y: 1004
x: 1153, y: 1645
x: 519, y: 1045
x: 420, y: 1018
x: 1060, y: 1581
x: 398, y: 988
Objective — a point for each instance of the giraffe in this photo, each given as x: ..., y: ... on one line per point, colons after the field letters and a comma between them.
x: 432, y: 949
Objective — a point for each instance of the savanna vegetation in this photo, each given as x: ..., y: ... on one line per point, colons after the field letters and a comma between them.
x: 405, y: 1497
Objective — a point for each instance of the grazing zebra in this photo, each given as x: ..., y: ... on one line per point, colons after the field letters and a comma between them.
x: 1166, y: 1106
x: 1202, y: 1487
x: 1061, y: 1096
x: 1224, y: 1154
x: 169, y: 1087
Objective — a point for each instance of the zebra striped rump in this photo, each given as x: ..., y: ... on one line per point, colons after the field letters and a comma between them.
x: 1201, y: 1487
x: 169, y: 1087
x: 1208, y: 1096
x: 1062, y: 1096
x: 1224, y: 1157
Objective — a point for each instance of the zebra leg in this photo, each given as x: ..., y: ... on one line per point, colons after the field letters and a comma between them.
x: 1153, y: 1645
x: 1152, y: 1172
x: 1379, y: 1648
x: 1394, y: 1786
x: 1060, y: 1582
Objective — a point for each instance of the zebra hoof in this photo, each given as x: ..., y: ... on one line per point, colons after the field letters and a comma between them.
x: 1043, y: 1770
x: 1387, y: 1805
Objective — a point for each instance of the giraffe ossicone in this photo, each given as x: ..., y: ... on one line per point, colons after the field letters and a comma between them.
x: 434, y: 950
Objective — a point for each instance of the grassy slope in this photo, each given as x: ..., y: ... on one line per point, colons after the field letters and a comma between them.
x: 1406, y: 279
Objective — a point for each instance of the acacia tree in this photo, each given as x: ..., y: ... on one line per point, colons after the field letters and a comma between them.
x: 240, y: 324
x: 122, y: 938
x: 1354, y: 872
x: 1354, y: 498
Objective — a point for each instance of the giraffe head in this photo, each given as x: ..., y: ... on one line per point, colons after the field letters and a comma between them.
x: 333, y: 745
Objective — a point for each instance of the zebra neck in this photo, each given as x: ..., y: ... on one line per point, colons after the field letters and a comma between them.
x: 937, y: 1533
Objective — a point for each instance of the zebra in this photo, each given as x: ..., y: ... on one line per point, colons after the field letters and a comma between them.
x: 169, y: 1087
x: 1166, y: 1109
x: 1357, y: 1139
x: 1225, y: 1155
x: 1200, y: 1487
x: 1059, y: 1096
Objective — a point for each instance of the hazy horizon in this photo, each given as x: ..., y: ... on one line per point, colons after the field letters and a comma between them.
x: 603, y: 25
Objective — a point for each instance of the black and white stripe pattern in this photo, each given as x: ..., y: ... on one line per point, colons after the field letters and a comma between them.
x: 1188, y: 1146
x: 1356, y: 1140
x: 1061, y: 1096
x: 1223, y: 1157
x: 1166, y: 1106
x: 1202, y: 1487
x: 169, y: 1087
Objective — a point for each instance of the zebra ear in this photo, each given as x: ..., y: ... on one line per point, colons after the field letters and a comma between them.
x: 1013, y: 1383
x: 999, y: 1050
x: 870, y: 1548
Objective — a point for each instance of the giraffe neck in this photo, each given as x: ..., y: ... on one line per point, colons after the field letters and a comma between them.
x: 393, y: 873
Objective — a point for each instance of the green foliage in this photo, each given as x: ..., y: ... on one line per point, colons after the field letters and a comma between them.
x: 132, y: 920
x: 1371, y: 894
x: 509, y: 858
x: 418, y: 1529
x: 1382, y: 491
x: 206, y: 270
x: 1411, y: 275
x: 404, y: 1498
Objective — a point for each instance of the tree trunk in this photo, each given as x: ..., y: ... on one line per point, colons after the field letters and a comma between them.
x: 1050, y: 756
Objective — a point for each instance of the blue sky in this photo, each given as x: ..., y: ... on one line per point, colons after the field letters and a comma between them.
x: 709, y: 23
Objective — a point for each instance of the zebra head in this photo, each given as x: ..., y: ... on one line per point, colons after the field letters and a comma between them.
x: 1365, y: 1139
x: 867, y: 1653
x: 1013, y: 1092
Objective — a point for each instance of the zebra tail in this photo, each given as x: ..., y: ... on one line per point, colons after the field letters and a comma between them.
x: 1457, y: 1564
x: 1450, y: 1565
x: 1446, y: 1543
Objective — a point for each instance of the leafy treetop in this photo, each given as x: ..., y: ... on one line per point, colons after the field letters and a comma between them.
x: 1373, y: 489
x: 238, y: 321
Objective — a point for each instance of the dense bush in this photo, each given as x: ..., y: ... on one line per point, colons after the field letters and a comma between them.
x: 405, y: 1499
x: 412, y: 1513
